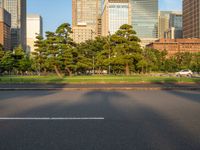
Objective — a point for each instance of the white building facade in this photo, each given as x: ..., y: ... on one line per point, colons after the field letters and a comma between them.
x: 34, y: 28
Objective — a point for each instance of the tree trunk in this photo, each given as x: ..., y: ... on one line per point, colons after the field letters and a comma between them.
x: 127, y: 69
x: 69, y: 71
x: 99, y: 70
x: 142, y: 69
x: 57, y: 72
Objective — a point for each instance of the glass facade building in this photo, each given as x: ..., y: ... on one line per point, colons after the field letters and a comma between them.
x: 176, y: 20
x: 145, y: 18
x: 115, y: 13
x: 175, y: 29
x: 118, y: 15
x: 17, y: 9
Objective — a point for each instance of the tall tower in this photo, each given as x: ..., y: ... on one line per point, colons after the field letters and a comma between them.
x: 145, y: 18
x: 17, y: 9
x: 5, y: 23
x: 85, y: 19
x: 85, y: 11
x: 191, y: 18
x: 115, y: 14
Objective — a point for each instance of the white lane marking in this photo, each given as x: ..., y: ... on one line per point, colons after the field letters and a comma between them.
x: 54, y: 118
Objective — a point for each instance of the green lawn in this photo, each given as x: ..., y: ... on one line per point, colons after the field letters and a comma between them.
x: 94, y: 79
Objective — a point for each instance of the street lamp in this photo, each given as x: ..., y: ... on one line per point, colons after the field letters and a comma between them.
x: 93, y: 60
x: 109, y: 68
x: 93, y: 65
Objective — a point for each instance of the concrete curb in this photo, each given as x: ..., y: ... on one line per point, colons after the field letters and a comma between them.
x: 112, y: 83
x: 106, y: 89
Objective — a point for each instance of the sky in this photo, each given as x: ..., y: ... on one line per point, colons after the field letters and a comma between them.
x: 56, y: 12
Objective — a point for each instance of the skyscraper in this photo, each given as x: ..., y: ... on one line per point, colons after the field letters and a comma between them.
x: 145, y: 18
x: 176, y: 20
x: 1, y: 3
x: 168, y: 21
x: 34, y: 28
x: 85, y: 11
x: 5, y: 23
x: 115, y: 13
x: 163, y: 23
x: 191, y: 18
x: 85, y: 14
x: 17, y: 9
x: 175, y: 30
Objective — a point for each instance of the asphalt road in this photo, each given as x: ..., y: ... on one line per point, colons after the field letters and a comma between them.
x: 133, y: 120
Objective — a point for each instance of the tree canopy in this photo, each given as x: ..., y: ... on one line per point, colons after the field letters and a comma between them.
x: 119, y: 53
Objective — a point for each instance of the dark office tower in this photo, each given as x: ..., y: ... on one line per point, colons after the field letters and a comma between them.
x: 191, y: 18
x: 145, y: 18
x: 17, y: 9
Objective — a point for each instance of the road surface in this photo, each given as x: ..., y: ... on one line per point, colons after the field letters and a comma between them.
x: 99, y: 120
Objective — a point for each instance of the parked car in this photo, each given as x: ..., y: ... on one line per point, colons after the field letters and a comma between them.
x: 185, y: 72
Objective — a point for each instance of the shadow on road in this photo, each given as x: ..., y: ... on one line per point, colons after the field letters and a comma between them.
x: 184, y: 90
x: 128, y: 125
x: 29, y: 93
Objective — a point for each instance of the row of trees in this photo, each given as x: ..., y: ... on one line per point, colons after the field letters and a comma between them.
x: 119, y: 53
x: 15, y: 61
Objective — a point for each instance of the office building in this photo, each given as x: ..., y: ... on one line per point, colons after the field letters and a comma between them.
x: 1, y: 3
x: 5, y: 24
x: 163, y: 23
x: 176, y: 20
x: 173, y: 33
x: 191, y: 18
x: 82, y: 33
x: 170, y: 24
x: 145, y: 41
x: 145, y: 18
x: 115, y: 14
x: 17, y: 9
x: 34, y: 28
x: 174, y: 46
x: 86, y: 14
x: 175, y: 30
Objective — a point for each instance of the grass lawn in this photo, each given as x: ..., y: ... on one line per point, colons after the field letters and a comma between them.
x: 95, y: 79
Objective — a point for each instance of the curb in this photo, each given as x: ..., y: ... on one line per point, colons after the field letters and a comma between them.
x: 112, y: 83
x: 106, y: 89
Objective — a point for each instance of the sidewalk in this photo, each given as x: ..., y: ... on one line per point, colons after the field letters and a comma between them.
x: 101, y: 86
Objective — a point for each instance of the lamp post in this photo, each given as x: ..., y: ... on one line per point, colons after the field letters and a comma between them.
x: 109, y: 68
x: 93, y: 59
x: 93, y: 65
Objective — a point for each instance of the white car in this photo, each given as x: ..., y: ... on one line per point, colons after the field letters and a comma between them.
x: 185, y: 72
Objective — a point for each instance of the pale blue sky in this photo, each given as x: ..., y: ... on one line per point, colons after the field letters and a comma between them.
x: 55, y: 12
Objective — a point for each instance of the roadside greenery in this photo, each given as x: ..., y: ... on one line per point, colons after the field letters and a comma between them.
x: 97, y: 79
x: 116, y: 54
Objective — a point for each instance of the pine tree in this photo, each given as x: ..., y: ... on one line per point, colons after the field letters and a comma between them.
x: 40, y: 54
